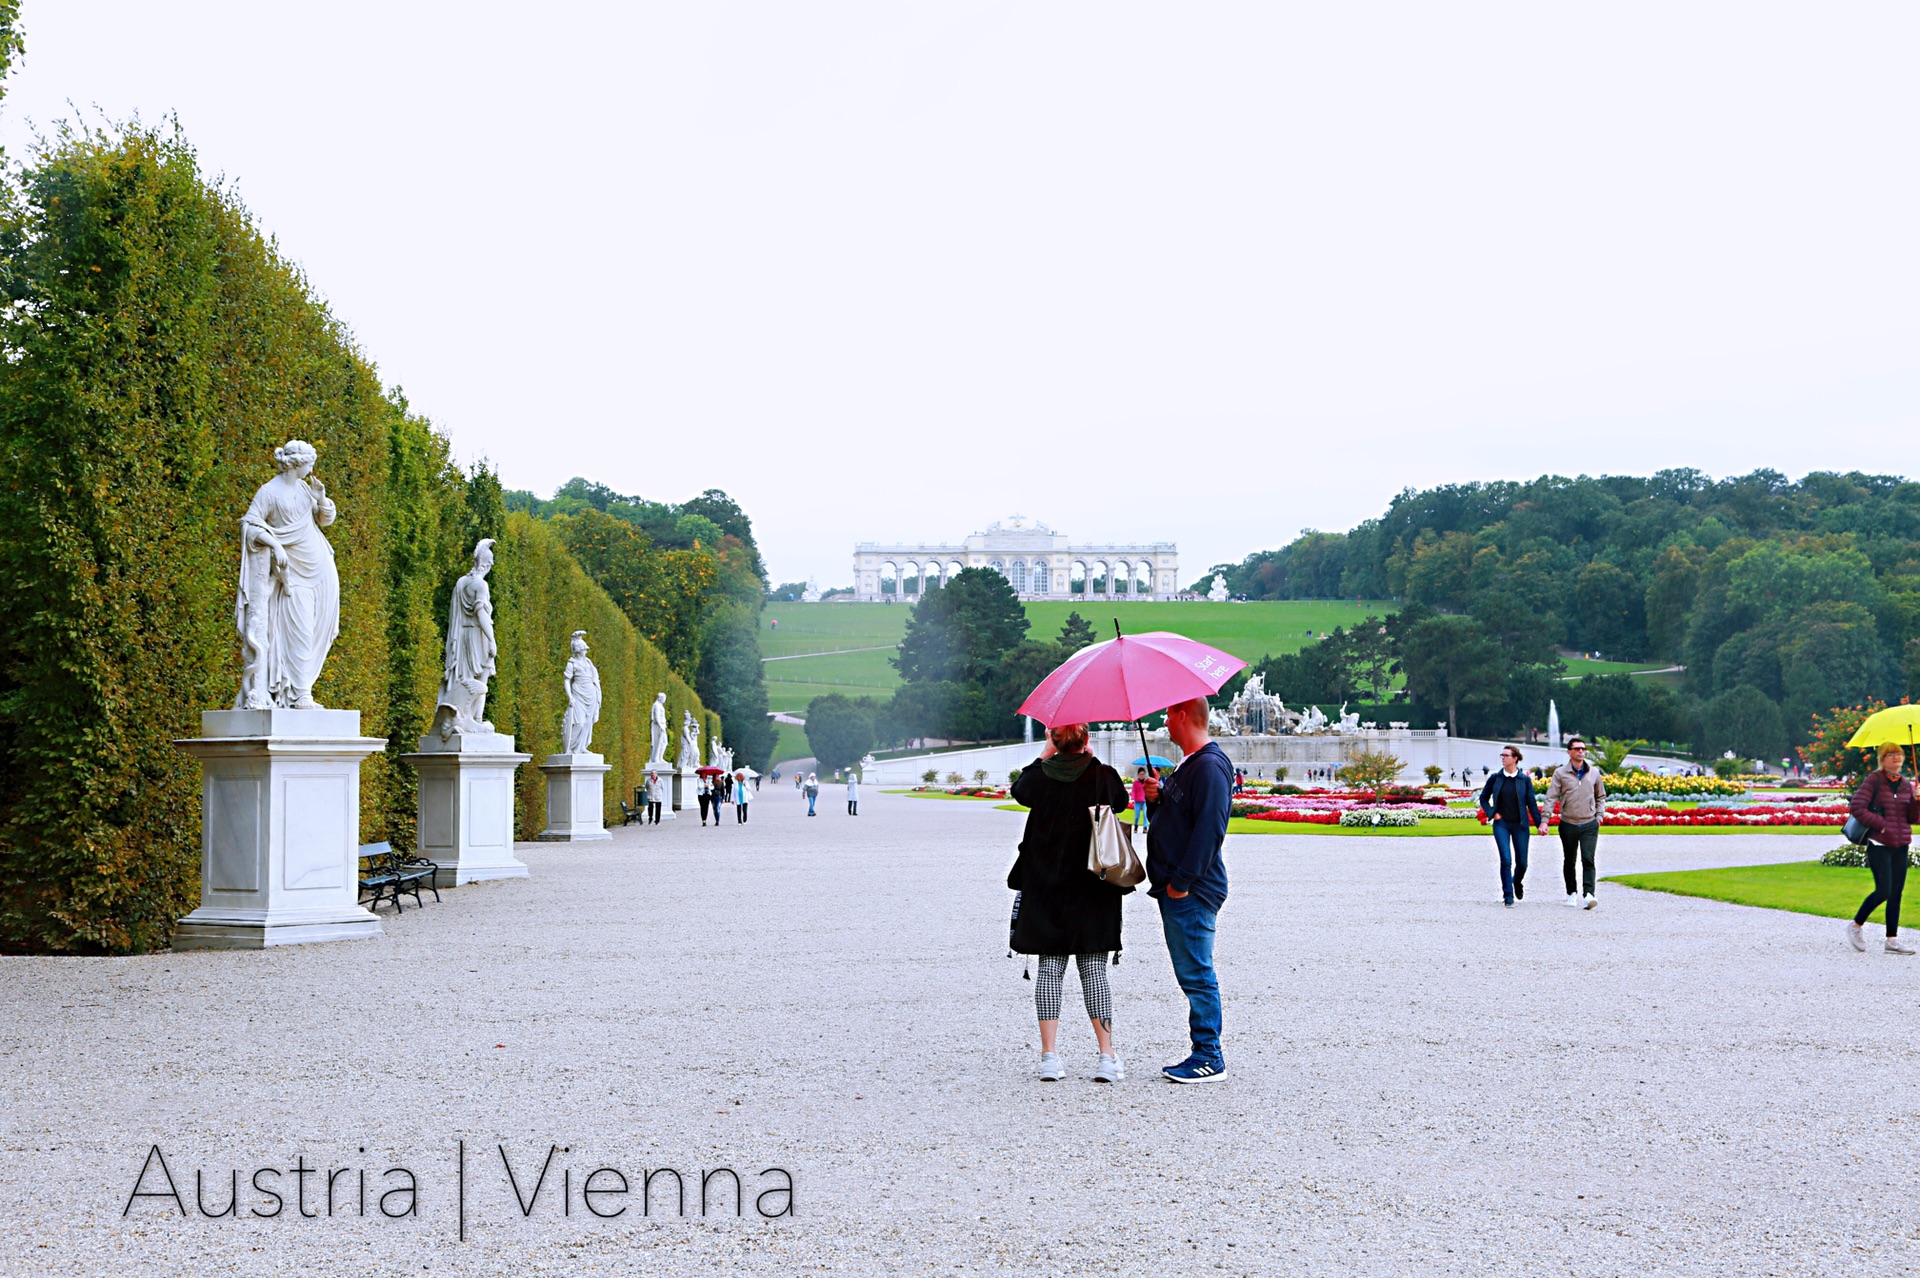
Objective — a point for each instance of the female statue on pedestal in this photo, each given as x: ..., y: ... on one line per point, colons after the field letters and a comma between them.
x: 657, y: 750
x: 288, y: 606
x: 471, y: 650
x: 582, y: 683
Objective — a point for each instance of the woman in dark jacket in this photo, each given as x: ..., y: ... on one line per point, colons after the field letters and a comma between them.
x: 1885, y: 804
x: 1507, y: 801
x: 1063, y: 908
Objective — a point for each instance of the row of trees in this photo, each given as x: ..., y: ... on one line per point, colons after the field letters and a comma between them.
x: 690, y: 577
x: 157, y: 348
x: 1806, y: 594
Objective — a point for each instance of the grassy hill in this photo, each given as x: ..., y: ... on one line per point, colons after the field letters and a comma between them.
x: 843, y: 647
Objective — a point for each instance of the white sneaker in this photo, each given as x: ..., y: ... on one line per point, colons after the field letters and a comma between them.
x: 1898, y: 945
x: 1109, y: 1070
x: 1587, y: 903
x: 1052, y: 1069
x: 1856, y: 937
x: 1573, y: 902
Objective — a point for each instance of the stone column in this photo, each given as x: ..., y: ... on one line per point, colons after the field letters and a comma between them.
x: 576, y: 798
x: 279, y: 829
x: 466, y: 805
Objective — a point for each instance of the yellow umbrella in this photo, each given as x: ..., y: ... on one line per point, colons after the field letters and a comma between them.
x: 1896, y: 725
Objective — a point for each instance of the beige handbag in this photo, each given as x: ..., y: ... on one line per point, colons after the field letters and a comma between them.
x: 1110, y: 854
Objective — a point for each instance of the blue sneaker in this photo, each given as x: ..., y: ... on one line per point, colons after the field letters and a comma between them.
x: 1195, y: 1070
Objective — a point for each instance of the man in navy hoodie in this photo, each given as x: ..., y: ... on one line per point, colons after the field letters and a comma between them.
x: 1188, y: 824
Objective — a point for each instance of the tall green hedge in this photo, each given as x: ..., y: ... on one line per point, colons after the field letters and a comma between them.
x: 157, y: 350
x: 540, y: 597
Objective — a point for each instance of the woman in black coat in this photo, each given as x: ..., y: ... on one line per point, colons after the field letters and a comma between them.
x: 1063, y: 908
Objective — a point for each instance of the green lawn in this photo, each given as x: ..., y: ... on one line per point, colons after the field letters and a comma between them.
x: 844, y: 647
x: 1805, y: 887
x: 1580, y: 667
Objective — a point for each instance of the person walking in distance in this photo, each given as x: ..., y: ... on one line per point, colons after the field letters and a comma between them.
x: 704, y: 786
x: 1508, y: 804
x: 853, y: 793
x: 656, y: 795
x: 1065, y: 911
x: 1139, y: 797
x: 1188, y: 824
x: 813, y: 791
x: 742, y: 797
x: 1886, y: 805
x: 1579, y: 794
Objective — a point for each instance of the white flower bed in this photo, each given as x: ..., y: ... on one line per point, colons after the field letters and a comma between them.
x: 1378, y: 817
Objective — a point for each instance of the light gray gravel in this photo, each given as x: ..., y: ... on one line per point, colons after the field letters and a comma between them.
x: 1422, y: 1082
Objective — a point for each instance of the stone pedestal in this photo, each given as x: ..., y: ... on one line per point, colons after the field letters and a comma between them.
x: 686, y: 789
x: 576, y: 798
x: 279, y: 829
x: 466, y: 806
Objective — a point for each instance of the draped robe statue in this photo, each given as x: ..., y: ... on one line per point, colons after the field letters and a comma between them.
x: 287, y: 609
x: 471, y: 650
x: 657, y: 753
x: 582, y: 682
x: 689, y: 741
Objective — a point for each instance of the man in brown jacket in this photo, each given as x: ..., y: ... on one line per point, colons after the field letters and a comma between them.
x: 1581, y: 796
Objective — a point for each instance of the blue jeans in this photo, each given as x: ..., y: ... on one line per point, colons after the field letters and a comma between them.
x: 812, y: 797
x: 1140, y: 815
x: 1189, y: 926
x: 1512, y: 842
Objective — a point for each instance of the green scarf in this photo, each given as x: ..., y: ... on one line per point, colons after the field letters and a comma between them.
x: 1066, y: 767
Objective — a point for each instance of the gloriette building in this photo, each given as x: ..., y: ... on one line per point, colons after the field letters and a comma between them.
x: 1039, y: 562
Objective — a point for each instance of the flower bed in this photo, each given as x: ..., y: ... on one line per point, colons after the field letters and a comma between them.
x: 1643, y: 783
x: 1377, y: 817
x: 1758, y: 815
x: 963, y: 792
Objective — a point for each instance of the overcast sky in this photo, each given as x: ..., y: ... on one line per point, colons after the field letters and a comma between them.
x: 1202, y: 272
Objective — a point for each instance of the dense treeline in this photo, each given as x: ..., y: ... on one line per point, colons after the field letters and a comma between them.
x: 691, y: 578
x: 156, y: 350
x: 1802, y: 595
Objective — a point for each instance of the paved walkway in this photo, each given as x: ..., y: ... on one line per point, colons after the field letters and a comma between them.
x: 1422, y: 1081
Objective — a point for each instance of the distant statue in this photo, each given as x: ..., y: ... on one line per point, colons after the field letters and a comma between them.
x: 582, y: 682
x: 812, y: 593
x: 1219, y: 591
x: 288, y: 605
x: 689, y: 741
x: 657, y: 750
x: 471, y: 650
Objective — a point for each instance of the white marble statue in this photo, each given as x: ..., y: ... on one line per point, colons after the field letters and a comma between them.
x: 657, y: 749
x: 1349, y: 723
x: 288, y: 606
x: 582, y: 683
x: 1219, y: 591
x: 1315, y: 720
x: 812, y: 593
x: 471, y: 650
x: 689, y: 741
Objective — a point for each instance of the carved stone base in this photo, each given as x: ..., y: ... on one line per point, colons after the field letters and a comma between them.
x: 466, y: 806
x: 279, y: 829
x: 576, y: 798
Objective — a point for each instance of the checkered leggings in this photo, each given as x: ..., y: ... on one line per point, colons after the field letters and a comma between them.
x: 1047, y: 986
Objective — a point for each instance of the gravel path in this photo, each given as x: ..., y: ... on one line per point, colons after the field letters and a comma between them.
x: 1422, y: 1081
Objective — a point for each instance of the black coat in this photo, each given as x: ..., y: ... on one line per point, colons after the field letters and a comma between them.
x: 1064, y: 908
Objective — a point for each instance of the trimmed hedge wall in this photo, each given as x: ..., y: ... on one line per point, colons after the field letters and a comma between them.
x: 540, y: 597
x: 158, y: 350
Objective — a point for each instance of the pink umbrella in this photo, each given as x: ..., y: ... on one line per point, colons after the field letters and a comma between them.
x: 1130, y: 677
